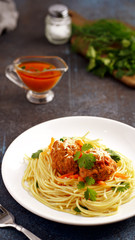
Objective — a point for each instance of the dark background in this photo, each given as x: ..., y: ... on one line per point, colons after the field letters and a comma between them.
x: 79, y: 93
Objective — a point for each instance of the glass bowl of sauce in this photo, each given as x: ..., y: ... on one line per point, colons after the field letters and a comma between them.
x: 38, y: 75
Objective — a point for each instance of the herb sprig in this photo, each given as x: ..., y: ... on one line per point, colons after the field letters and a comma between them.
x: 89, y: 193
x: 110, y: 47
x: 84, y: 159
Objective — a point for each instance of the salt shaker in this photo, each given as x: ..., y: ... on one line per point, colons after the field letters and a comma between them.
x: 58, y: 24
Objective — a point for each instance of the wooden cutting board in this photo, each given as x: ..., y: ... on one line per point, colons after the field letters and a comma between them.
x: 79, y: 20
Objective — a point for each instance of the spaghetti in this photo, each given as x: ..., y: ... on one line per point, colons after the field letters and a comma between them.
x: 76, y: 195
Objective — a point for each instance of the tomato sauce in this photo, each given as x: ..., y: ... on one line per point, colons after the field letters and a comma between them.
x: 35, y: 76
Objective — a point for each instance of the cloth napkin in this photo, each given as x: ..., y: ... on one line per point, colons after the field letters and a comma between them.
x: 8, y: 15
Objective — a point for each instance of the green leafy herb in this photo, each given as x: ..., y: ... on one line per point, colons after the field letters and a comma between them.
x: 123, y: 186
x: 86, y: 160
x: 63, y: 139
x: 115, y: 156
x: 126, y: 43
x: 86, y: 146
x: 91, y: 52
x: 108, y: 45
x: 81, y: 185
x: 90, y: 194
x: 119, y: 73
x: 90, y: 181
x: 77, y: 155
x: 36, y: 154
x: 92, y: 64
x: 77, y: 209
x: 83, y: 159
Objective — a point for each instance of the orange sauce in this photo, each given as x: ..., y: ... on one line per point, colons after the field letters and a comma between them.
x: 35, y: 76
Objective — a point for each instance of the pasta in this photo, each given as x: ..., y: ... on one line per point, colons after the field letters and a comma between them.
x: 72, y: 195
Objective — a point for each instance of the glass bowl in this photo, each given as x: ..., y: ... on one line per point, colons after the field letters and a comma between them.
x: 38, y: 75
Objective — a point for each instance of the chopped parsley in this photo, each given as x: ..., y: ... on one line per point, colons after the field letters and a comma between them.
x: 122, y: 187
x: 115, y: 156
x: 36, y: 154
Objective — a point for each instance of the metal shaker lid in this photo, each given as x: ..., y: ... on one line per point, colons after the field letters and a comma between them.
x: 58, y: 10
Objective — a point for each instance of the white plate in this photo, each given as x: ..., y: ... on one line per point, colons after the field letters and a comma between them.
x: 115, y: 135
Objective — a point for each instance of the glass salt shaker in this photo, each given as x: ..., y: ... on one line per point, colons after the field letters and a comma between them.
x: 58, y: 24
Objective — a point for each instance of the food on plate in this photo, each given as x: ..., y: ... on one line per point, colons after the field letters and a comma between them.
x: 62, y: 155
x: 80, y: 176
x: 109, y: 46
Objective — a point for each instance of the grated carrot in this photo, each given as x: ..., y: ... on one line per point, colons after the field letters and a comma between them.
x: 80, y: 142
x: 66, y: 175
x: 52, y: 142
x: 101, y: 182
x: 75, y: 176
x: 80, y: 179
x: 120, y: 175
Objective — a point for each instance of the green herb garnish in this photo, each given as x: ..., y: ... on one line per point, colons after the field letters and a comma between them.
x: 90, y: 181
x: 83, y: 159
x: 90, y: 194
x: 81, y: 185
x: 63, y: 139
x: 36, y: 154
x: 77, y: 155
x: 122, y: 187
x: 77, y: 210
x: 86, y: 146
x: 86, y: 160
x: 115, y: 156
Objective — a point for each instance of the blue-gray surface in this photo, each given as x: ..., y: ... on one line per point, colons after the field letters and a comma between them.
x: 22, y: 115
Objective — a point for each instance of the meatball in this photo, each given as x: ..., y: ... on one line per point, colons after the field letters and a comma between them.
x: 62, y: 155
x: 103, y: 168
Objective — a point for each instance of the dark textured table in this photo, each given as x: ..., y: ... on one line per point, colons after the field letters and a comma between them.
x: 79, y: 93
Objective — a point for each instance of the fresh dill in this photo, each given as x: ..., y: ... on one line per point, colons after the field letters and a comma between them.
x: 108, y: 45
